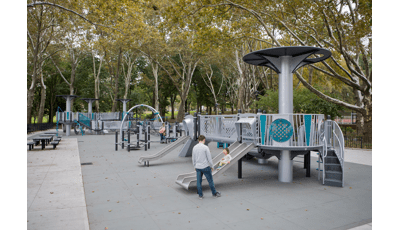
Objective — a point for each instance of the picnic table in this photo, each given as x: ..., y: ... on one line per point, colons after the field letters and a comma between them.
x: 45, y: 140
x: 48, y: 135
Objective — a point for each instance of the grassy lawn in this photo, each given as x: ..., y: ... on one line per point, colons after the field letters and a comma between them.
x: 45, y: 119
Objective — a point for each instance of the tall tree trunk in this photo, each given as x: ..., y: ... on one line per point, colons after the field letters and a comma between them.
x: 30, y: 97
x: 96, y: 75
x: 116, y: 87
x: 42, y: 99
x: 240, y: 83
x: 310, y: 73
x: 72, y: 82
x: 154, y: 67
x: 172, y: 98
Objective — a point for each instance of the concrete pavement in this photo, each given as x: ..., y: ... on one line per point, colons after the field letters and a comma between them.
x: 115, y: 192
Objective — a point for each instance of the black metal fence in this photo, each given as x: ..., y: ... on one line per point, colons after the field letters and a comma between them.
x: 39, y: 127
x: 353, y: 141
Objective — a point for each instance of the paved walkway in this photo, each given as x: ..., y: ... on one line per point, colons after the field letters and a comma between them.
x: 56, y: 198
x: 117, y: 193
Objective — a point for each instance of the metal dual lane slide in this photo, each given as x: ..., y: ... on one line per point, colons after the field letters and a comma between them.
x: 237, y: 151
x: 165, y: 150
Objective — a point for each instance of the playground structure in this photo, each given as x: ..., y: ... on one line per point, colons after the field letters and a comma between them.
x: 119, y: 122
x: 266, y: 135
x: 284, y: 135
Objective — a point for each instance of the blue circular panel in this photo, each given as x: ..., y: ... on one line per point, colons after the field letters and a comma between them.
x: 281, y: 130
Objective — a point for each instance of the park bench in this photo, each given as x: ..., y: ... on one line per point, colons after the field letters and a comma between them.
x: 31, y: 144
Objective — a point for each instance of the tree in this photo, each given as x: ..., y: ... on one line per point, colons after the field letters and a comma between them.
x: 344, y: 27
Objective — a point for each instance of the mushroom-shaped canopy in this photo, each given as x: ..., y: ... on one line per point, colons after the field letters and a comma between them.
x: 271, y: 57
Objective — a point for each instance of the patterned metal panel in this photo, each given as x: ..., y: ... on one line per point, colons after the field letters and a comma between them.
x: 281, y: 130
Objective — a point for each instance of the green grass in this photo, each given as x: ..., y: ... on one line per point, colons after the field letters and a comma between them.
x: 45, y: 120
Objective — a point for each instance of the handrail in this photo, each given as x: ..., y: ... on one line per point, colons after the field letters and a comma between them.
x: 336, y: 142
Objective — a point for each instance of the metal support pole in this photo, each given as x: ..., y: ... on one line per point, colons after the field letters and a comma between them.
x: 129, y: 141
x: 148, y: 136
x: 138, y: 137
x: 116, y: 141
x: 68, y: 111
x: 145, y: 140
x: 285, y: 107
x: 285, y: 167
x: 122, y: 143
x: 240, y: 168
x: 308, y: 170
x: 195, y: 126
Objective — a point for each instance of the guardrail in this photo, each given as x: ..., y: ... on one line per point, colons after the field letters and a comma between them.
x: 218, y: 126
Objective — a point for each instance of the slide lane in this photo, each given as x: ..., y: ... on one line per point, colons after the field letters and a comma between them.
x: 237, y: 151
x: 165, y: 150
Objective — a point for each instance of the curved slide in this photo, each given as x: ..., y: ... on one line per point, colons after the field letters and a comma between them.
x: 164, y: 151
x: 237, y: 151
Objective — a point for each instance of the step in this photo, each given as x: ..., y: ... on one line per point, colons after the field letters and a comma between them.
x: 333, y: 167
x: 333, y: 182
x: 333, y: 175
x: 332, y: 159
x: 331, y: 153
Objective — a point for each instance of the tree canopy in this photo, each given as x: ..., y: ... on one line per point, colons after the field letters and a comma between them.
x: 186, y: 54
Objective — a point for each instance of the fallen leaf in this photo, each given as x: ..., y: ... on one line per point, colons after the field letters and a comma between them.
x: 350, y: 187
x: 105, y: 228
x: 179, y: 213
x: 248, y: 209
x: 262, y: 218
x: 92, y: 191
x: 109, y: 210
x: 117, y: 201
x: 51, y: 192
x: 306, y: 210
x: 106, y: 177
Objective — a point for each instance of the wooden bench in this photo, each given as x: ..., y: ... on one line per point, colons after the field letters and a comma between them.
x: 54, y: 143
x: 31, y: 144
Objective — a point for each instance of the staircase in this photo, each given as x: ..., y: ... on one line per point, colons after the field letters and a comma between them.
x: 333, y: 155
x: 333, y: 170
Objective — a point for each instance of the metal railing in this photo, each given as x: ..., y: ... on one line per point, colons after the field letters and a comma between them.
x: 218, y: 126
x: 357, y: 141
x: 334, y: 141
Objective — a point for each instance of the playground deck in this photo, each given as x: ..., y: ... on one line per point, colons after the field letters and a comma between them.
x: 119, y: 193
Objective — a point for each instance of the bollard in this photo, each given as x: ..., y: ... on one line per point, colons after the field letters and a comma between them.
x: 116, y: 141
